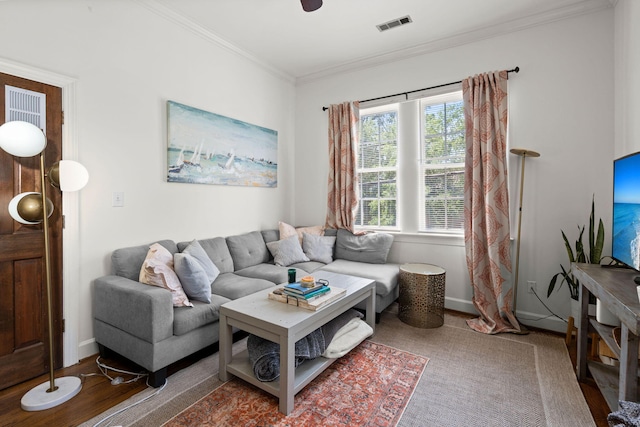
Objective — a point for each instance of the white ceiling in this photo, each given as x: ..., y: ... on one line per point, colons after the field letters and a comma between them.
x: 342, y: 34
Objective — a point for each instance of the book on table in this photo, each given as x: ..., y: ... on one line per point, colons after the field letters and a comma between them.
x: 313, y: 294
x: 298, y: 288
x: 313, y: 303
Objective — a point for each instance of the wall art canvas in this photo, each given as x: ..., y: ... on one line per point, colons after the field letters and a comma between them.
x: 207, y: 148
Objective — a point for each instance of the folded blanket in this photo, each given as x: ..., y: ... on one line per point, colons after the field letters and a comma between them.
x: 627, y: 416
x: 347, y: 338
x: 265, y: 354
x: 329, y: 329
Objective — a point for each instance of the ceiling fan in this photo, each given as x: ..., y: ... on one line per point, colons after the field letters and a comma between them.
x: 311, y: 5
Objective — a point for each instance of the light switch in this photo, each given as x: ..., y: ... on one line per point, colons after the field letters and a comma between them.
x: 118, y: 199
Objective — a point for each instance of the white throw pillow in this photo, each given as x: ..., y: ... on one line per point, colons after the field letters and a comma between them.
x: 287, y: 230
x: 157, y: 270
x: 287, y: 251
x: 318, y: 248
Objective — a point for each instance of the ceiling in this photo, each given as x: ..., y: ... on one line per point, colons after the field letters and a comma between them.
x: 342, y: 34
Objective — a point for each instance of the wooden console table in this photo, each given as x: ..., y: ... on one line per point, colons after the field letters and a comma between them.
x: 615, y: 288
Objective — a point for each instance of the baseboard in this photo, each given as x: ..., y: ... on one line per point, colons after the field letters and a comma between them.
x: 87, y: 348
x: 534, y: 320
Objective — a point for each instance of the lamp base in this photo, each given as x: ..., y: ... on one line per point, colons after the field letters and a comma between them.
x: 38, y: 399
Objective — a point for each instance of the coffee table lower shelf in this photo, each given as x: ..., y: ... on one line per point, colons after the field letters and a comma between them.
x: 305, y: 373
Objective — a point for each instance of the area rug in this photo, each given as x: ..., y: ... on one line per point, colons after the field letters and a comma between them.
x: 370, y: 386
x: 471, y: 379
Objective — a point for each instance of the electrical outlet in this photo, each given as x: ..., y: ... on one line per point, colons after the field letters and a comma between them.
x: 532, y: 287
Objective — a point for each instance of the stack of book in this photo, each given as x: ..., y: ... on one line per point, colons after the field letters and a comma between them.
x: 299, y: 291
x: 310, y: 299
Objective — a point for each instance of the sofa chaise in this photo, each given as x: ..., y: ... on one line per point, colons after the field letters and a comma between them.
x: 141, y: 323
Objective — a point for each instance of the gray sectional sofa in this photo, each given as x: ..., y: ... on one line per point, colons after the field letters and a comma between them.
x: 139, y: 321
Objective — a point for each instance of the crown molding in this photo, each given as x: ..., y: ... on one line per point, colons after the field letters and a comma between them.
x: 171, y: 15
x: 482, y: 33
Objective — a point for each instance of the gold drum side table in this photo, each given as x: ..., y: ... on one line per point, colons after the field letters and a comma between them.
x: 421, y: 300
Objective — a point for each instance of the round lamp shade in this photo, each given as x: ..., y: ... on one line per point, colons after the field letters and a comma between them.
x: 26, y: 208
x: 69, y: 175
x: 22, y: 139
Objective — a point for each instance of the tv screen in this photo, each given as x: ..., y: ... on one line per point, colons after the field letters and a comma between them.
x: 626, y: 210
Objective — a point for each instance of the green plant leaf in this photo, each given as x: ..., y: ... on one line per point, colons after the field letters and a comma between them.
x: 596, y: 254
x: 568, y: 247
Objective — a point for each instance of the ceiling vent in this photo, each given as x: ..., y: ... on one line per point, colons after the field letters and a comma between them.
x: 395, y: 23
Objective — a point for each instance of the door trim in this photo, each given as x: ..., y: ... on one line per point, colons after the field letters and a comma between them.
x: 70, y: 200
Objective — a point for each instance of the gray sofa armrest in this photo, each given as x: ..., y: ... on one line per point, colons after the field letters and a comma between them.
x: 141, y: 310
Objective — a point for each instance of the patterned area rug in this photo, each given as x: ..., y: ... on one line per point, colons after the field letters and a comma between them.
x: 370, y: 386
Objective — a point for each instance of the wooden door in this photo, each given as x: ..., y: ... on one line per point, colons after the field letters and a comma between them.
x: 24, y: 343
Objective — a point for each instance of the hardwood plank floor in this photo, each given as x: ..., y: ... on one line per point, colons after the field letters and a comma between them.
x: 97, y: 394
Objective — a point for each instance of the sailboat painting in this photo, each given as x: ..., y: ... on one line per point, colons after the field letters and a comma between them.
x: 207, y: 148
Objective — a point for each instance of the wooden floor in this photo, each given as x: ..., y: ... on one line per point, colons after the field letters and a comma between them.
x: 97, y: 394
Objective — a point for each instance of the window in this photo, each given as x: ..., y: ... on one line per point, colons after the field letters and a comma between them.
x: 443, y: 151
x: 378, y: 169
x: 410, y: 170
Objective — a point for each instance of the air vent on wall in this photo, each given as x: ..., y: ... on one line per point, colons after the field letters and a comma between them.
x: 394, y: 23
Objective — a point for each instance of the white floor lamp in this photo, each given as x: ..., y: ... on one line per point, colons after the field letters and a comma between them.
x: 524, y: 154
x: 22, y: 139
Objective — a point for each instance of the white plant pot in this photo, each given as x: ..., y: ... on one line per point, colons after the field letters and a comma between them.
x: 575, y: 310
x: 604, y: 316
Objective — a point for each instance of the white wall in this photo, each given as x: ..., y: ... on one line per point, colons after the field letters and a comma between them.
x: 126, y: 62
x: 561, y: 105
x: 627, y: 87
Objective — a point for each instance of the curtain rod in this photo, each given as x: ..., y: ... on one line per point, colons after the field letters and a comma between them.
x: 515, y: 70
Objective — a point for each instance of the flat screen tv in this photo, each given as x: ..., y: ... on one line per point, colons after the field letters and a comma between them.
x: 626, y: 210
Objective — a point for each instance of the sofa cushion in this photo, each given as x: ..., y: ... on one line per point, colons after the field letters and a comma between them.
x: 307, y: 267
x: 201, y: 314
x: 371, y: 248
x: 385, y: 275
x: 271, y: 272
x: 157, y: 270
x: 318, y: 248
x: 287, y: 251
x: 127, y: 262
x: 194, y: 278
x: 270, y: 235
x: 234, y: 286
x: 247, y: 250
x: 287, y: 230
x: 195, y: 250
x: 217, y: 250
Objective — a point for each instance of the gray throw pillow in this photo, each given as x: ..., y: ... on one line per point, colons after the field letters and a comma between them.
x: 193, y: 277
x: 318, y: 248
x: 372, y: 248
x: 195, y: 249
x: 287, y: 251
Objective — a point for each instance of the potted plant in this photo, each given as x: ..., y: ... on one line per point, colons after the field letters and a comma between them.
x: 592, y: 256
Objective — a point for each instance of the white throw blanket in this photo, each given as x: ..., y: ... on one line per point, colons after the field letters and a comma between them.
x: 347, y: 338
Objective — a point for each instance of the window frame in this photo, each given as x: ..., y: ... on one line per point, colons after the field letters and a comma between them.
x: 410, y: 165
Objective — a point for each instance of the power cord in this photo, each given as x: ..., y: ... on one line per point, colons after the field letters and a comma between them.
x: 133, y: 404
x: 548, y: 309
x: 104, y: 369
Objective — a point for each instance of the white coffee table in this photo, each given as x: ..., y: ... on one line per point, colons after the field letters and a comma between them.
x: 286, y: 324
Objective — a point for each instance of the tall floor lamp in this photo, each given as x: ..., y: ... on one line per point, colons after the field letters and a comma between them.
x: 23, y: 139
x: 524, y: 154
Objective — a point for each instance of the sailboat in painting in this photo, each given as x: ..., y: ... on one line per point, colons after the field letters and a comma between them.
x: 229, y: 164
x: 179, y: 163
x: 195, y: 158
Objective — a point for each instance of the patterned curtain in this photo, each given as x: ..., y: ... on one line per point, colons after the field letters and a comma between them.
x: 486, y: 201
x: 344, y: 122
